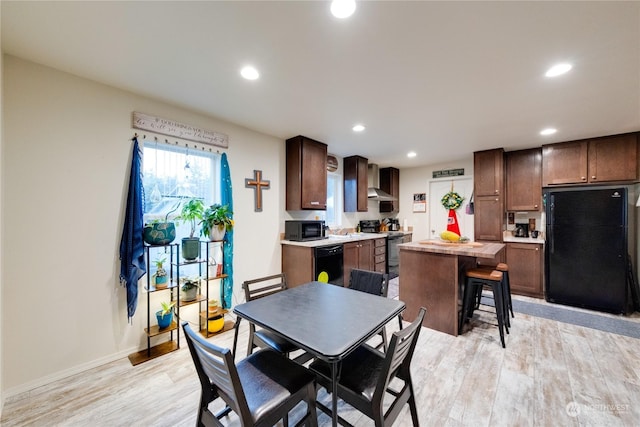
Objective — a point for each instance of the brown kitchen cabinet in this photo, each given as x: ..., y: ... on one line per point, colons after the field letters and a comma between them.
x: 357, y: 254
x: 488, y: 194
x: 524, y: 180
x: 525, y: 268
x: 488, y: 172
x: 606, y: 159
x: 298, y: 264
x: 355, y: 183
x: 380, y: 255
x: 306, y: 180
x: 390, y: 183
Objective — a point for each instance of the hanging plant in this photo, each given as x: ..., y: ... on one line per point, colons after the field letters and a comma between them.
x: 452, y: 200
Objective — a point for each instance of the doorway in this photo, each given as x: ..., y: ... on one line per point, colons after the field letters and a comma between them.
x: 438, y: 215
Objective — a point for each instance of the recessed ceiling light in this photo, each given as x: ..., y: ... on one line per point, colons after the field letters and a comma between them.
x: 411, y: 154
x: 558, y: 69
x: 548, y: 131
x: 249, y: 73
x: 343, y: 8
x: 358, y: 128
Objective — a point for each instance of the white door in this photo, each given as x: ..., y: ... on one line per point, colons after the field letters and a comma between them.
x: 438, y: 215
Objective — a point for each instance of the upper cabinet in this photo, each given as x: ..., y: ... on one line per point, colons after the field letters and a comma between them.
x: 390, y: 183
x: 355, y: 183
x: 524, y: 180
x: 488, y: 172
x: 306, y: 174
x: 606, y: 159
x: 488, y: 178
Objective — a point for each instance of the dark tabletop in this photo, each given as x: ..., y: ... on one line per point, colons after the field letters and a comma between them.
x: 324, y: 319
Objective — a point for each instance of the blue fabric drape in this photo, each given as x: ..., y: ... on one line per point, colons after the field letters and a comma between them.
x: 227, y: 199
x: 132, y: 262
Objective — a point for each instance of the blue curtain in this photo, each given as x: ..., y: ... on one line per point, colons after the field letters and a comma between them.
x: 132, y: 263
x: 227, y: 199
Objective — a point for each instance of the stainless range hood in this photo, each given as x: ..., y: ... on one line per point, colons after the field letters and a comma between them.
x: 374, y: 191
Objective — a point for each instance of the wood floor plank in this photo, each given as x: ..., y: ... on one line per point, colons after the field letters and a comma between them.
x: 468, y: 380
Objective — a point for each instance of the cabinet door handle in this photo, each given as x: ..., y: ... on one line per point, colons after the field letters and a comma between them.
x: 584, y: 178
x: 535, y: 206
x: 537, y: 249
x: 593, y: 177
x: 317, y: 203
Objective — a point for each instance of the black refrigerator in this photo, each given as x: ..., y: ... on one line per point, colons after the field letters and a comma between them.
x: 586, y: 261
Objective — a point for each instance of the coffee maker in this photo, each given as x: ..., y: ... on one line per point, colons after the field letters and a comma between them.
x: 394, y: 224
x: 522, y: 230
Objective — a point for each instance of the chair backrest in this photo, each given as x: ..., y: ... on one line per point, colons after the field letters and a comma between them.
x: 264, y: 286
x: 371, y: 282
x: 217, y: 373
x: 399, y: 354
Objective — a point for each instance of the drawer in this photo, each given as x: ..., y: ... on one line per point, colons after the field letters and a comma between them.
x: 380, y: 259
x: 380, y: 267
x: 380, y: 242
x: 380, y: 250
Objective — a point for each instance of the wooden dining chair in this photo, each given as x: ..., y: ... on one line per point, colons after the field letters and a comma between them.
x: 366, y: 375
x: 371, y: 282
x: 261, y: 389
x: 259, y: 288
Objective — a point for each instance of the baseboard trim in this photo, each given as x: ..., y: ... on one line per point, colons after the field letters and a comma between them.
x: 17, y: 392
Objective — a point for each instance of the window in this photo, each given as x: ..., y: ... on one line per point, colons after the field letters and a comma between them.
x: 172, y: 174
x: 334, y: 200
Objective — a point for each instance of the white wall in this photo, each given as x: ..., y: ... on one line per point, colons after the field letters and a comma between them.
x: 65, y: 171
x: 416, y: 180
x: 1, y: 222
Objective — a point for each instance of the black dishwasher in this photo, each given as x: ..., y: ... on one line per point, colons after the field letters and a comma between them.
x: 329, y: 260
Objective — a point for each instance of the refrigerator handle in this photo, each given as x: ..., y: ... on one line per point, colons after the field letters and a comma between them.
x: 550, y: 233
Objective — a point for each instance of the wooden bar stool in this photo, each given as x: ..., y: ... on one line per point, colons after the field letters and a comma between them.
x: 508, y: 306
x: 477, y: 278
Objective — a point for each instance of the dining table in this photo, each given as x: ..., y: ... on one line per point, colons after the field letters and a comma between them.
x: 327, y: 321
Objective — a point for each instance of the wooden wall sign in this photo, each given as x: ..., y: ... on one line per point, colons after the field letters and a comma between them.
x: 257, y: 184
x: 179, y: 130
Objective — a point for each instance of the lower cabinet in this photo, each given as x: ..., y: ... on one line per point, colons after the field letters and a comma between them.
x: 380, y: 255
x: 357, y: 255
x: 298, y: 264
x: 525, y: 269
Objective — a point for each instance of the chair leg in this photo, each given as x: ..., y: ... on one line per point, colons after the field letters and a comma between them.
x: 235, y: 335
x: 400, y: 321
x: 497, y: 296
x: 467, y: 301
x: 412, y: 406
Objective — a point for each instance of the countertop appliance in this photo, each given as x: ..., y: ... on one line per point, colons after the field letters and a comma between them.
x: 522, y: 230
x: 301, y: 230
x: 394, y: 224
x: 370, y: 226
x: 328, y: 259
x: 586, y: 257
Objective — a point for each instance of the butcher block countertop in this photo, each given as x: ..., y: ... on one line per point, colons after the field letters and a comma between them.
x: 470, y: 249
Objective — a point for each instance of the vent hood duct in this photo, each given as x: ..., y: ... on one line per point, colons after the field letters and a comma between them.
x: 374, y: 192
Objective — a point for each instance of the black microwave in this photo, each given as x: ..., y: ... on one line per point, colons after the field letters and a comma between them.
x: 299, y: 231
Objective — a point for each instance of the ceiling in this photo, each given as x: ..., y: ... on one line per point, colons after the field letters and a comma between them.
x: 443, y: 79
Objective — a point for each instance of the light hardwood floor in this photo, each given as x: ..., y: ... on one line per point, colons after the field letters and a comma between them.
x: 550, y: 374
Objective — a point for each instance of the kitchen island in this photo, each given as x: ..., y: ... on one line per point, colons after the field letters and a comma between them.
x: 431, y: 275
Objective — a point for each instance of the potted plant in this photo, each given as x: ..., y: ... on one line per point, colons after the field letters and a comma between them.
x: 158, y: 232
x: 160, y: 276
x: 191, y: 213
x: 189, y: 289
x: 216, y: 221
x: 165, y: 316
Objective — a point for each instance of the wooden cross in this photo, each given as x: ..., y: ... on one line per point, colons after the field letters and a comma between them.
x: 258, y: 184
